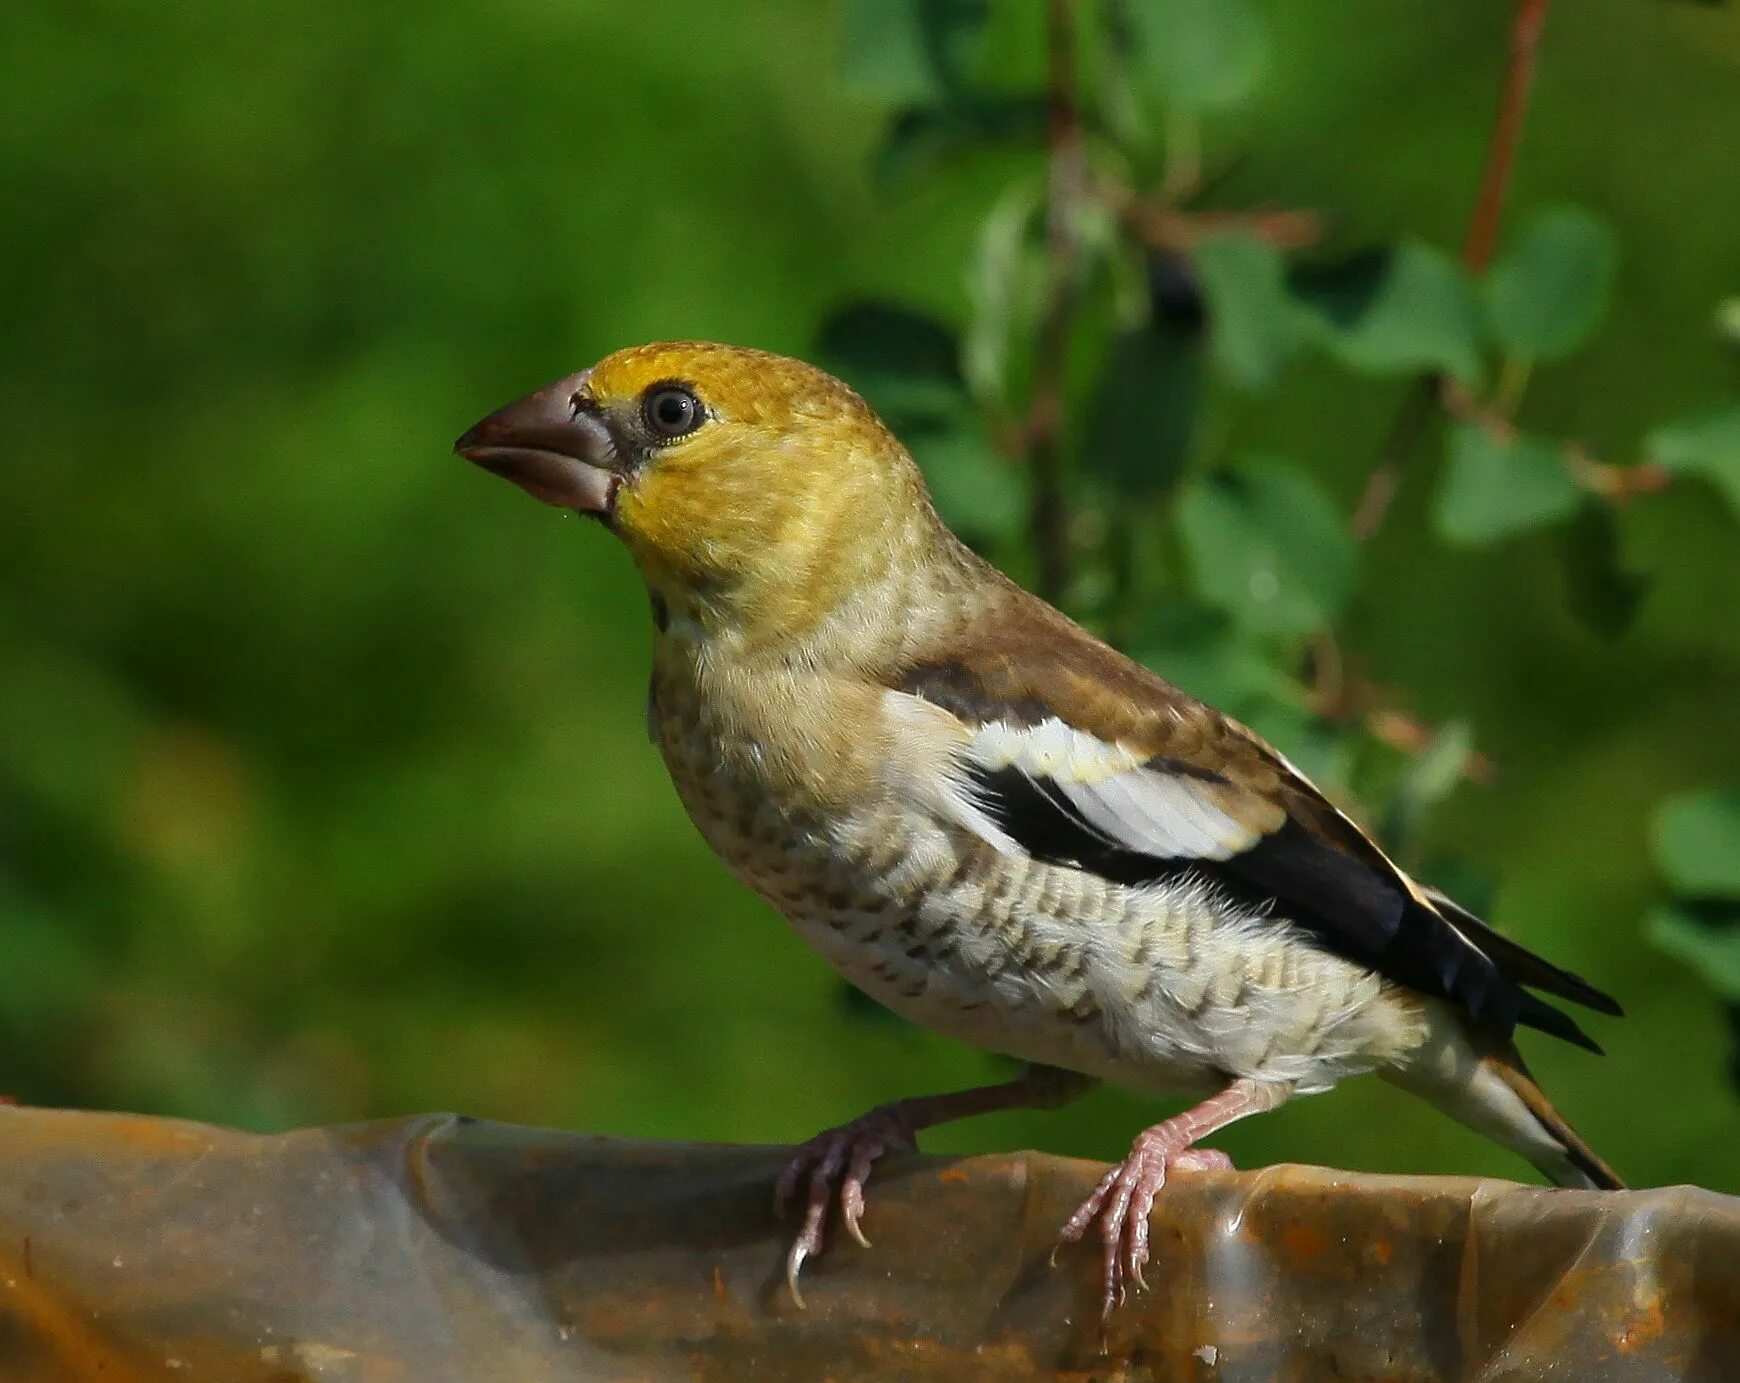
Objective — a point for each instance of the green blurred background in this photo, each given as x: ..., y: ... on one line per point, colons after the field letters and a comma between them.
x: 324, y: 787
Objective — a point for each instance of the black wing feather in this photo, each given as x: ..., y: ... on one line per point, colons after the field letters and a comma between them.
x: 1340, y: 900
x: 1522, y: 964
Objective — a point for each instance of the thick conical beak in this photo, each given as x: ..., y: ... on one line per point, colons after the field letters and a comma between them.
x: 552, y: 445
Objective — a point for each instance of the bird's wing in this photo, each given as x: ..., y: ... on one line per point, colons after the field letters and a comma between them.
x: 1073, y: 753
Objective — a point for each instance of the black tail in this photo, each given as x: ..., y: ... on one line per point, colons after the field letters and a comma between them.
x: 1523, y: 967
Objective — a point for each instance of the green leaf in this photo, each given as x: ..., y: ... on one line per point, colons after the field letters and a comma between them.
x: 1143, y: 412
x: 1111, y: 303
x: 921, y: 137
x: 1268, y: 546
x: 1421, y: 315
x: 1603, y: 593
x: 1203, y: 53
x: 1254, y: 322
x: 1439, y: 767
x: 1493, y: 488
x: 1004, y: 284
x: 1706, y: 446
x: 1712, y: 950
x: 1430, y: 777
x: 1548, y: 291
x: 1341, y: 290
x: 904, y: 362
x: 909, y: 50
x: 1696, y: 842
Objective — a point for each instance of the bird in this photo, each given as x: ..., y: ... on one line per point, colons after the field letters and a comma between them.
x: 997, y: 825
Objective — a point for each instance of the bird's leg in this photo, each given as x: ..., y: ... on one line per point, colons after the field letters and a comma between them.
x: 851, y: 1148
x: 1125, y: 1196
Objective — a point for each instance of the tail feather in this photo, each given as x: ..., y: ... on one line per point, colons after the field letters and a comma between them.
x: 1591, y: 1170
x: 1518, y: 962
x: 1484, y: 1085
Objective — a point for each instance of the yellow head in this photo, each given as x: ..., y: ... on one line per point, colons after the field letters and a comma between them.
x: 753, y: 491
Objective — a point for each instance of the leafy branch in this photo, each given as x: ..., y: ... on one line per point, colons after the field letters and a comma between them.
x: 1406, y: 433
x: 1122, y: 302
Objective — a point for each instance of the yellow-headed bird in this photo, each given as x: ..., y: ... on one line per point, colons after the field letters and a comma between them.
x: 990, y: 821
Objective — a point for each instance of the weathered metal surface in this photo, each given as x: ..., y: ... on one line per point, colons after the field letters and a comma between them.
x: 436, y: 1249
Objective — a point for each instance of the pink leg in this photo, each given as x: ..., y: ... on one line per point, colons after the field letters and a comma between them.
x: 851, y: 1148
x: 1125, y: 1196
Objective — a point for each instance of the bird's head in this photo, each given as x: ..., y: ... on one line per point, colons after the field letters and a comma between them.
x: 754, y: 492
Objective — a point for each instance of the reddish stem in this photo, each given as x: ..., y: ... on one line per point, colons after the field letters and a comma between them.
x: 1513, y: 105
x: 1477, y: 250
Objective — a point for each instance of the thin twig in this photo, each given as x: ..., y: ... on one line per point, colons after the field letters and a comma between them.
x: 1402, y: 731
x: 1615, y: 484
x: 1465, y: 406
x: 1048, y: 518
x: 1400, y: 443
x: 1513, y: 103
x: 1338, y: 691
x: 1164, y: 227
x: 1431, y: 392
x: 1183, y: 175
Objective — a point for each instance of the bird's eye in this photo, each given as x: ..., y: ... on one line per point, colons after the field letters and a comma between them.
x: 672, y: 411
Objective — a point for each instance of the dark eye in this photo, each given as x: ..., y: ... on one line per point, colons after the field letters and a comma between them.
x: 671, y: 411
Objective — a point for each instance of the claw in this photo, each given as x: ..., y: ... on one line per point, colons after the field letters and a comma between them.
x: 1085, y: 1213
x: 852, y: 1189
x: 1124, y: 1197
x: 850, y: 1149
x: 1137, y: 1256
x: 851, y: 1207
x: 1120, y: 1205
x: 806, y: 1244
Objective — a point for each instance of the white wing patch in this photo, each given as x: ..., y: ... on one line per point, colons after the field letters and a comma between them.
x: 1146, y: 810
x: 923, y: 764
x: 1050, y: 749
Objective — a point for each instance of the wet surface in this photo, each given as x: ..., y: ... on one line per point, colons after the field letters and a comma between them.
x: 436, y: 1249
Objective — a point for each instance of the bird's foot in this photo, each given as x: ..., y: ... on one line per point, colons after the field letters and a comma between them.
x: 842, y: 1155
x: 1122, y: 1202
